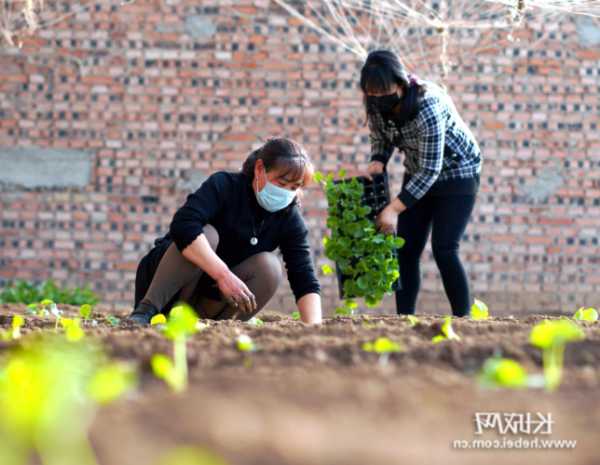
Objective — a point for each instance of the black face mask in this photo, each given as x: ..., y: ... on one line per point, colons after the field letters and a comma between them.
x: 385, y: 103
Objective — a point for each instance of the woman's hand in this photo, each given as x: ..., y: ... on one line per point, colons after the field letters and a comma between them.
x: 387, y: 220
x: 236, y: 292
x: 375, y: 167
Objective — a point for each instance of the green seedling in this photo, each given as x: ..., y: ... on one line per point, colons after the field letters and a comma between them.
x: 15, y: 330
x: 43, y: 308
x: 326, y: 269
x: 85, y: 311
x: 23, y: 292
x: 479, y: 310
x: 586, y: 314
x: 32, y: 309
x: 552, y: 337
x: 113, y: 320
x: 447, y: 332
x: 366, y: 258
x: 17, y: 322
x: 49, y: 390
x: 158, y: 319
x: 254, y: 321
x: 244, y: 343
x: 412, y: 320
x: 181, y: 324
x: 72, y: 327
x: 503, y: 373
x: 348, y: 309
x: 296, y: 315
x: 384, y: 347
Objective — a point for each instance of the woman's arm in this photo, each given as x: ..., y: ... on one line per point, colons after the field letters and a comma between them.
x: 200, y: 253
x: 309, y: 306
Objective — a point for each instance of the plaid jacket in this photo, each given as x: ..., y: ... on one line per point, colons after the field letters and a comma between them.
x: 437, y: 144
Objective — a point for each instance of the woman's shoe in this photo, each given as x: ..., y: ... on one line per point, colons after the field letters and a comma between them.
x: 142, y: 314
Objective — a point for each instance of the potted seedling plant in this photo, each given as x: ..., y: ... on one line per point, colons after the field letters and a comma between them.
x: 366, y: 260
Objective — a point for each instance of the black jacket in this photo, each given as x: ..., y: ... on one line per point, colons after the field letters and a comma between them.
x: 228, y: 202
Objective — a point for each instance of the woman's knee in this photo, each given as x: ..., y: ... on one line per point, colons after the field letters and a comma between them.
x: 269, y: 267
x: 212, y: 236
x: 444, y: 251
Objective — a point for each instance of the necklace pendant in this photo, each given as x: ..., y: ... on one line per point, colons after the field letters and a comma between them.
x: 253, y: 241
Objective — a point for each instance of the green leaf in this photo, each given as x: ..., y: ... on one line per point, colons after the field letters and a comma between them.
x: 586, y: 314
x: 503, y: 372
x: 162, y: 366
x: 254, y: 321
x: 113, y: 320
x: 158, y: 319
x: 73, y: 331
x: 382, y: 345
x: 244, y: 343
x: 295, y: 315
x: 318, y: 177
x: 181, y: 323
x: 341, y: 173
x: 447, y: 332
x: 326, y: 269
x: 17, y: 322
x: 479, y: 310
x: 412, y: 320
x: 555, y: 333
x: 112, y: 381
x: 85, y: 311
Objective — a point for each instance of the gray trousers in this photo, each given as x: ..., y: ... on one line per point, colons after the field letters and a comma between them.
x: 262, y: 273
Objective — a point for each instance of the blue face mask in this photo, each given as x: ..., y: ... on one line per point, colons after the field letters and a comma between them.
x: 274, y: 198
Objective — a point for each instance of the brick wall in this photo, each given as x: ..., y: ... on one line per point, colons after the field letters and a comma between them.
x: 151, y: 97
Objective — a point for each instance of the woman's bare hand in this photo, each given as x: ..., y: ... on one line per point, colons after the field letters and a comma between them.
x: 236, y: 292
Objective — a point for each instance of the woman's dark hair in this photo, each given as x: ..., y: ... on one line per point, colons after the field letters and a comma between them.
x: 381, y: 71
x: 285, y: 155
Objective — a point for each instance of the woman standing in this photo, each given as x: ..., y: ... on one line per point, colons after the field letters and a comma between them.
x: 442, y: 166
x: 218, y: 255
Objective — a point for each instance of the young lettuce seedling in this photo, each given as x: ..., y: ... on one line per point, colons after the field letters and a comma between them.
x: 552, y: 337
x: 113, y: 320
x: 447, y: 332
x: 502, y: 372
x: 384, y: 347
x: 296, y: 315
x: 181, y: 324
x: 412, y: 320
x: 586, y: 314
x: 72, y: 327
x: 49, y: 389
x: 85, y: 311
x: 479, y: 311
x: 254, y: 321
x: 244, y: 343
x: 17, y: 322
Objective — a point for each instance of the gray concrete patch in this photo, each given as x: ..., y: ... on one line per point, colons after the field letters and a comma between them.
x: 199, y: 27
x: 588, y: 31
x: 191, y: 181
x: 547, y: 182
x: 35, y: 167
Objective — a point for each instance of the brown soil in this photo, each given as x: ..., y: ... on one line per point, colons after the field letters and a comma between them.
x: 312, y: 396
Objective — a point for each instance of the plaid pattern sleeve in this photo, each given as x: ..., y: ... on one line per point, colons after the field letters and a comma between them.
x: 381, y: 147
x: 431, y: 125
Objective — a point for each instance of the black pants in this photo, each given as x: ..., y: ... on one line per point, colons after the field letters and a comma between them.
x: 446, y: 216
